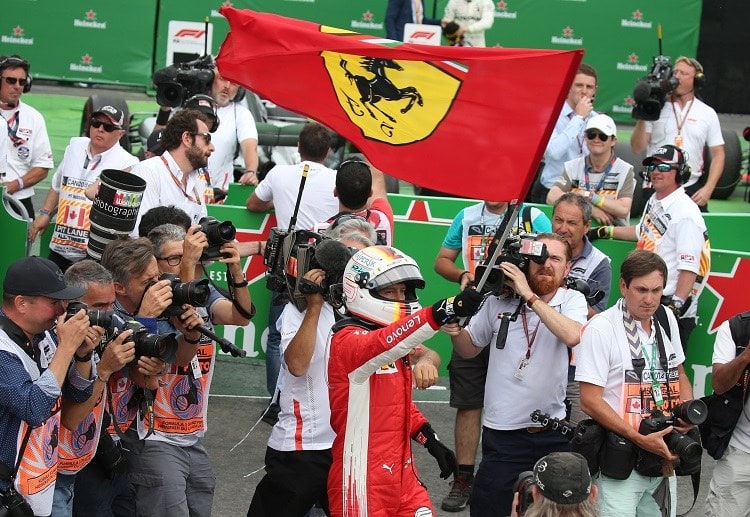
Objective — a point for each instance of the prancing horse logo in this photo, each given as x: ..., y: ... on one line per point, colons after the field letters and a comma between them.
x: 396, y: 102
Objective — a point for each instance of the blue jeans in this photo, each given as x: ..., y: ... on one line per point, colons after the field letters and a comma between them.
x: 62, y: 501
x: 273, y: 354
x: 505, y: 454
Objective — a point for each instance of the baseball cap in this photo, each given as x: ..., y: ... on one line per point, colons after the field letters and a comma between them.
x: 115, y: 115
x: 603, y: 123
x: 563, y: 477
x: 153, y: 144
x: 37, y: 276
x: 666, y: 154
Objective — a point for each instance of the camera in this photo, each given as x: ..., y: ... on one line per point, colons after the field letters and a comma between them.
x: 193, y: 293
x: 517, y: 249
x: 163, y: 346
x: 105, y: 319
x: 109, y: 455
x: 523, y: 485
x: 273, y: 260
x: 218, y: 233
x: 178, y: 82
x: 583, y: 287
x: 12, y: 504
x: 650, y: 92
x: 687, y: 448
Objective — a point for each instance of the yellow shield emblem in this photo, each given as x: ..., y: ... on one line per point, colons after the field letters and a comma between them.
x: 396, y: 102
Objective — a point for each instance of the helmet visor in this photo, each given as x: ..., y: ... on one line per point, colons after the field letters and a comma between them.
x: 404, y: 273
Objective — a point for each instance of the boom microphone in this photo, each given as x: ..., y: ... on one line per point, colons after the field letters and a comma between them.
x: 333, y: 256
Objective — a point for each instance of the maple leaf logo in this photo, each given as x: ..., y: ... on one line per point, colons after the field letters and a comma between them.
x: 86, y: 59
x: 633, y: 58
x: 18, y: 30
x: 90, y: 15
x: 367, y: 16
x: 637, y: 15
x: 568, y: 32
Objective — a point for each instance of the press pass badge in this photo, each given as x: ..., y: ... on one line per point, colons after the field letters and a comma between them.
x: 521, y: 372
x: 656, y: 392
x: 196, y: 367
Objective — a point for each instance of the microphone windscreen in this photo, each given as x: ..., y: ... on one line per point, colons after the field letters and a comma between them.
x: 333, y: 257
x: 641, y: 91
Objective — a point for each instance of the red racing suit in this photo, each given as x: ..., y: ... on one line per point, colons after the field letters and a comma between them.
x: 374, y: 417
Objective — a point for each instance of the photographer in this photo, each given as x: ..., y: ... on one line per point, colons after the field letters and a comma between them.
x: 176, y: 177
x: 687, y: 122
x: 528, y: 369
x: 629, y: 364
x: 82, y: 421
x: 34, y: 376
x: 558, y: 486
x: 469, y: 237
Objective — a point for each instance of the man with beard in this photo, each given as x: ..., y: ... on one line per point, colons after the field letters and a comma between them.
x: 528, y: 369
x: 236, y: 127
x: 176, y: 177
x: 84, y: 160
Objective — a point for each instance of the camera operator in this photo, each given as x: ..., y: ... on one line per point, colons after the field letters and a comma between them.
x: 471, y: 20
x: 469, y: 236
x: 176, y: 177
x: 528, y: 368
x: 672, y: 227
x: 278, y: 191
x: 82, y: 421
x: 686, y: 121
x: 29, y: 154
x: 559, y: 485
x: 33, y: 376
x: 628, y: 364
x: 568, y: 141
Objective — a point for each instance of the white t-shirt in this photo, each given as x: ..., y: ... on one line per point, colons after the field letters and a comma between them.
x: 304, y: 419
x: 509, y: 401
x: 77, y: 170
x: 603, y: 358
x: 29, y: 146
x: 164, y: 188
x: 281, y: 185
x: 674, y: 229
x: 236, y: 124
x: 701, y: 127
x: 724, y: 352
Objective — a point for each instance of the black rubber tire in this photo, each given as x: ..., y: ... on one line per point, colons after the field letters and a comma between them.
x: 730, y: 178
x: 99, y: 100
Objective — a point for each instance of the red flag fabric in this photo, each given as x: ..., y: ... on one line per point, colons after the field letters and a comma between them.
x: 469, y: 121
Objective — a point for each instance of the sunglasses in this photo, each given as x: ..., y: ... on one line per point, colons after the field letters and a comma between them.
x: 13, y: 80
x: 206, y: 136
x: 591, y: 135
x: 108, y: 126
x: 661, y: 167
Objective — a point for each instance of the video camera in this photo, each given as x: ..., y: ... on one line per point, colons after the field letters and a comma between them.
x: 218, y: 233
x: 583, y: 287
x: 291, y: 254
x: 650, y: 92
x: 517, y: 249
x: 178, y: 82
x: 687, y: 448
x: 193, y: 293
x: 523, y: 485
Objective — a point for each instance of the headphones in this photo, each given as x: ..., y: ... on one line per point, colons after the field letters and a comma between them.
x: 683, y: 169
x: 17, y: 62
x: 699, y: 81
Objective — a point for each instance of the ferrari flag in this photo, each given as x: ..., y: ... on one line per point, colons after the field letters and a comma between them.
x: 469, y: 121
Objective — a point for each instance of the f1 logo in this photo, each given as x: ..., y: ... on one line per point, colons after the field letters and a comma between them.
x: 190, y: 33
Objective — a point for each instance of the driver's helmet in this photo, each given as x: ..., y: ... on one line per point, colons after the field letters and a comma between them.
x: 372, y: 269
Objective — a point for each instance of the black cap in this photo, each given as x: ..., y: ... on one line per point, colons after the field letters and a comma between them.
x: 37, y: 276
x: 153, y: 144
x: 563, y: 477
x: 666, y: 154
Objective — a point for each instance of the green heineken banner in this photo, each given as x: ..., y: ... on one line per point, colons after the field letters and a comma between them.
x: 100, y: 42
x: 82, y: 40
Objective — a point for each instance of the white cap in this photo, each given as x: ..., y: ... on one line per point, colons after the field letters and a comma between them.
x: 603, y: 123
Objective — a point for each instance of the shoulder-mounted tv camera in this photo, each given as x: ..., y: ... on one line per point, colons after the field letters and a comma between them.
x: 291, y: 254
x: 517, y: 249
x: 583, y: 287
x: 650, y: 92
x: 178, y: 82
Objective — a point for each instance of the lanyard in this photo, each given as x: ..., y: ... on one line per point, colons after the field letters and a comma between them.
x: 600, y: 185
x: 195, y: 199
x: 529, y: 338
x: 13, y: 130
x: 680, y: 123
